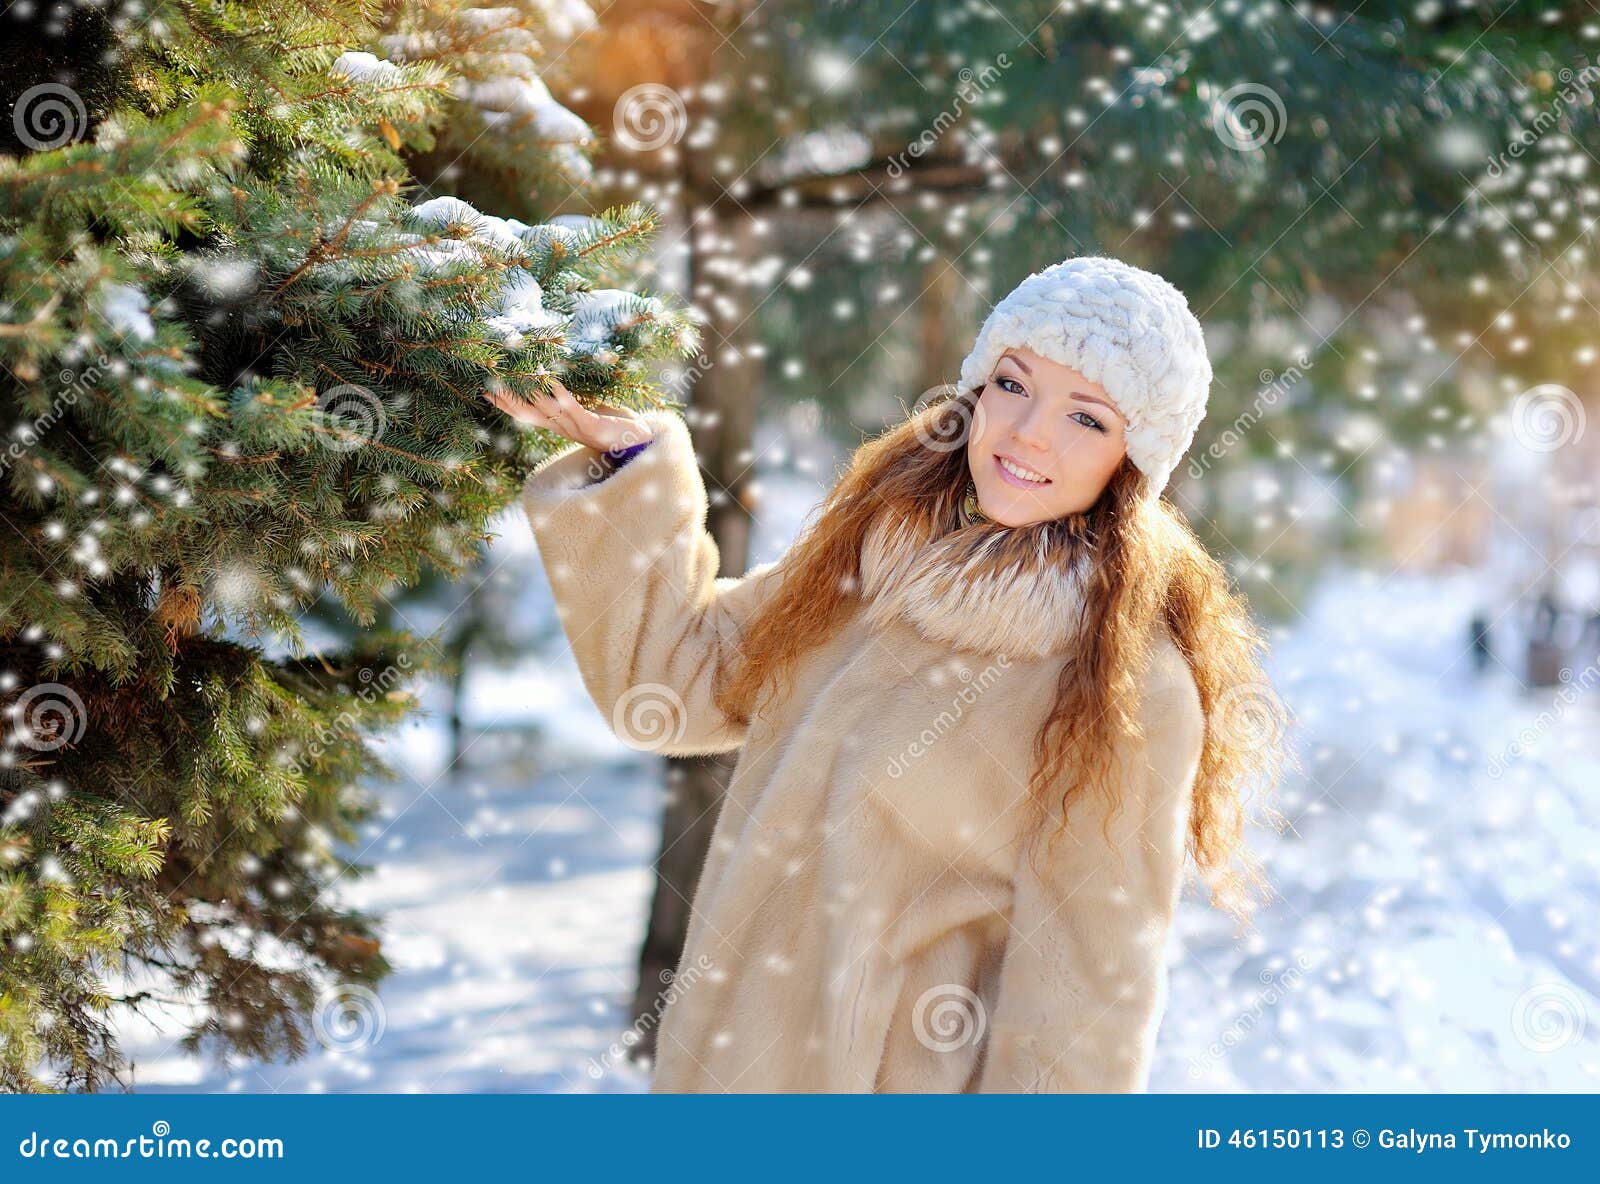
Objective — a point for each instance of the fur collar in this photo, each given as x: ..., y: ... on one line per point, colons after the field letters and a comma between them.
x: 980, y: 586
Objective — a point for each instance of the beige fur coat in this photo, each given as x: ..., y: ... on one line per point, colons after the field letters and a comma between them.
x: 866, y: 919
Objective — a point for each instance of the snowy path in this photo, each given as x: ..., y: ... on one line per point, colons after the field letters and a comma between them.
x: 512, y: 912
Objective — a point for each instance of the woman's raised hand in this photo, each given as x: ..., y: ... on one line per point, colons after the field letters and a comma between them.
x: 603, y: 428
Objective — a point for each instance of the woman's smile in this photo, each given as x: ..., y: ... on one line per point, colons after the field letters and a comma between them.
x: 1014, y: 472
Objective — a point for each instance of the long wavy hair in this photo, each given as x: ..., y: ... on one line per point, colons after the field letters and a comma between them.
x: 1147, y: 565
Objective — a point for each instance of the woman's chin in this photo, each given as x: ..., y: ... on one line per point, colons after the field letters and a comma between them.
x: 1021, y: 519
x: 1009, y: 511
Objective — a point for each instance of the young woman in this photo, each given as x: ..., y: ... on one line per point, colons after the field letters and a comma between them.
x: 985, y: 703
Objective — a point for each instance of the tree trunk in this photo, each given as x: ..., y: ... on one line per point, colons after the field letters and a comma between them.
x: 469, y: 626
x: 723, y: 414
x: 458, y: 723
x: 945, y: 334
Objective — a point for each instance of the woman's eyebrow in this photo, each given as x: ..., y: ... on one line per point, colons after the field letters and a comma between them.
x: 1084, y: 395
x: 1088, y: 398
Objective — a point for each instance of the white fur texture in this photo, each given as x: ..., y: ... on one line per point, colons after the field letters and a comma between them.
x: 1031, y: 607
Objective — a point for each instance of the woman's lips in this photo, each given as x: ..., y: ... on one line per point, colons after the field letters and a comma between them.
x: 1016, y: 481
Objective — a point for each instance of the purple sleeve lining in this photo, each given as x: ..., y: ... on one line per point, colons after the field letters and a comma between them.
x: 615, y: 458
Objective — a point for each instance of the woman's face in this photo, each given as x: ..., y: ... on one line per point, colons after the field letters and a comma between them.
x: 1059, y: 429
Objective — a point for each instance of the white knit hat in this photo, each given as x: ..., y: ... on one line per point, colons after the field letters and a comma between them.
x: 1120, y: 326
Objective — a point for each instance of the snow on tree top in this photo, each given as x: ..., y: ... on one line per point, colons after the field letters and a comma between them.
x: 566, y: 19
x: 522, y: 310
x: 360, y: 66
x: 520, y: 100
x: 448, y: 211
x: 579, y: 222
x: 556, y: 230
x: 128, y: 311
x: 506, y: 233
x: 597, y: 314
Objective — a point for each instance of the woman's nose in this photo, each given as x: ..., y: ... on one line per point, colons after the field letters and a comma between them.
x: 1030, y: 428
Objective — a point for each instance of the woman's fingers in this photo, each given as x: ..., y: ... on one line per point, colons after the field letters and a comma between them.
x: 519, y: 409
x: 602, y: 428
x: 568, y: 415
x: 619, y: 426
x: 558, y: 410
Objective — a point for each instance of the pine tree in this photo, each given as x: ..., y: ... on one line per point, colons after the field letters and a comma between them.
x: 243, y: 372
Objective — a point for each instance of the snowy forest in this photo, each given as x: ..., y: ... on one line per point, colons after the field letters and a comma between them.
x: 300, y: 787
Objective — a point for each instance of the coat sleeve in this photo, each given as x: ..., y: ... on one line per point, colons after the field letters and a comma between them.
x: 633, y: 570
x: 1084, y: 969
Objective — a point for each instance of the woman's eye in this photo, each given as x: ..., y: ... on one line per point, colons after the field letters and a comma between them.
x: 1089, y: 421
x: 1001, y: 383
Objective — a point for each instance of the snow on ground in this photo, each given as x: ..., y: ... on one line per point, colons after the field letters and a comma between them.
x: 1438, y: 885
x: 512, y: 903
x: 1435, y: 928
